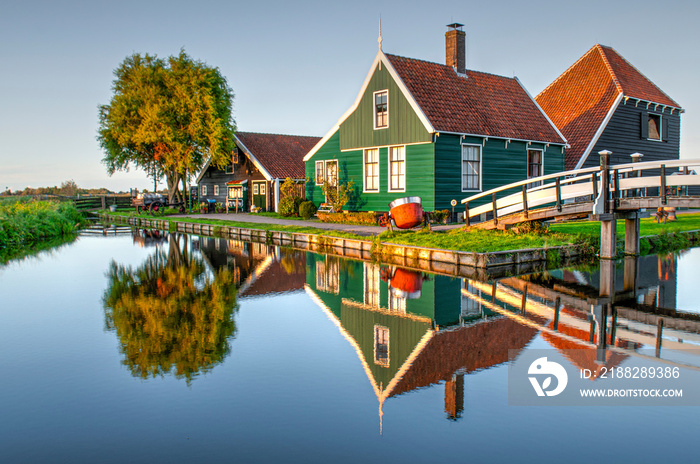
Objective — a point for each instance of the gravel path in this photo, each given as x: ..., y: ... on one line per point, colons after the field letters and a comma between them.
x: 254, y: 218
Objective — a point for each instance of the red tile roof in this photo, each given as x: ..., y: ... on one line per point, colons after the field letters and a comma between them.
x: 480, y: 103
x: 281, y: 155
x: 578, y: 100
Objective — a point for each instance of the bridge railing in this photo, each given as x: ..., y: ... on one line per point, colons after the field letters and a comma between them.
x: 630, y: 179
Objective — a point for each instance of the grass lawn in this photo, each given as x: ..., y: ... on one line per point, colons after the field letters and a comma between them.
x: 480, y: 240
x: 648, y: 226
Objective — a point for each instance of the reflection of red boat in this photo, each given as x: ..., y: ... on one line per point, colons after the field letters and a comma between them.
x: 406, y: 212
x: 406, y: 283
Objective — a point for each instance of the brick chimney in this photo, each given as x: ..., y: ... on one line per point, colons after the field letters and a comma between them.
x: 455, y: 51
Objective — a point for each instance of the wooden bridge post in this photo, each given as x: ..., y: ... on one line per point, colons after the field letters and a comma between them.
x: 662, y: 187
x: 608, y: 224
x: 466, y: 214
x: 495, y: 208
x: 632, y: 234
x: 608, y: 236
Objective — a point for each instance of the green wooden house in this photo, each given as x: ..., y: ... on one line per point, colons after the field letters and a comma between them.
x: 440, y: 132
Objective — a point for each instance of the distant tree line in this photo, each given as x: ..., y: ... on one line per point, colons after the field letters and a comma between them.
x: 68, y: 188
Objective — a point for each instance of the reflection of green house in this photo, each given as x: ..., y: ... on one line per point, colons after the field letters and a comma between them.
x: 406, y: 343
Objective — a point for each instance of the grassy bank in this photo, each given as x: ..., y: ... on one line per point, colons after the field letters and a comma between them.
x: 477, y: 240
x: 585, y: 234
x: 24, y: 224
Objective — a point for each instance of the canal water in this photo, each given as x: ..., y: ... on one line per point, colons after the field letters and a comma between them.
x: 141, y: 346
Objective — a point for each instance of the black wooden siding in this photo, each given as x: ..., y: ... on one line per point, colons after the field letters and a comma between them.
x: 623, y: 136
x: 242, y: 171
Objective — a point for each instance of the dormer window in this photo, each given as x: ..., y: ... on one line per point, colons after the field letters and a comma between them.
x: 381, y: 109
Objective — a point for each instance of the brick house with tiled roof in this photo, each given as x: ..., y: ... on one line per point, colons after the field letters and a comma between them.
x: 602, y: 102
x: 259, y: 164
x: 437, y: 131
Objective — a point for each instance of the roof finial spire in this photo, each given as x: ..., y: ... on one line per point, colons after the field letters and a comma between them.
x: 379, y: 39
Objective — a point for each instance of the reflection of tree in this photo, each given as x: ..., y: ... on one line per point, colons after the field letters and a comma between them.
x: 169, y: 315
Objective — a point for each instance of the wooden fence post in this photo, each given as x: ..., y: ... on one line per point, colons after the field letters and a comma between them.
x: 662, y: 192
x: 495, y: 209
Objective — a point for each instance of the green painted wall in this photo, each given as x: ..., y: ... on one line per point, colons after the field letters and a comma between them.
x: 500, y: 165
x: 357, y: 131
x: 420, y: 175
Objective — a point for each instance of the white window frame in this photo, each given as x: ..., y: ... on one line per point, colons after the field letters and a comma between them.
x: 216, y: 190
x: 322, y: 165
x: 396, y: 302
x: 262, y: 188
x: 255, y: 188
x: 328, y: 275
x: 229, y: 169
x: 470, y: 308
x: 385, y: 335
x: 371, y: 288
x: 661, y: 127
x: 365, y: 189
x: 337, y: 173
x: 204, y: 191
x: 481, y: 167
x: 390, y: 189
x: 374, y: 109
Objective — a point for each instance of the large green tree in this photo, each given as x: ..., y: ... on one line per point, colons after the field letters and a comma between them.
x: 167, y: 117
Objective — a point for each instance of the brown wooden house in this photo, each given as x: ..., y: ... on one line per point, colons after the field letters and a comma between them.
x: 259, y: 165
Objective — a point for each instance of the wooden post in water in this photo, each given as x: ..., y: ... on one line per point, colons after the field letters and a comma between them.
x: 630, y: 276
x: 659, y: 332
x: 557, y: 308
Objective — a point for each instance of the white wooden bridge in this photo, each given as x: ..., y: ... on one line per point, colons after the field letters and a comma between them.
x: 605, y: 193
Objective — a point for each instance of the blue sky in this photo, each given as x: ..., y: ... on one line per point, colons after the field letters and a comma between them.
x: 296, y: 67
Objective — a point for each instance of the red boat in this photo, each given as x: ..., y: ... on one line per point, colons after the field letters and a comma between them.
x: 406, y: 212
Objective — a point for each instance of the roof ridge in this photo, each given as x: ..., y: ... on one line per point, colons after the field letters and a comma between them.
x: 447, y: 66
x: 561, y: 76
x: 608, y: 66
x: 603, y: 47
x: 271, y: 133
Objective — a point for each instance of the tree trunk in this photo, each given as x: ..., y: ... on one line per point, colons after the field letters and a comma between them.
x: 173, y: 180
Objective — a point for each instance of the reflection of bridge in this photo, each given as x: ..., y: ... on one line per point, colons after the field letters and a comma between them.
x: 603, y: 320
x: 604, y: 193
